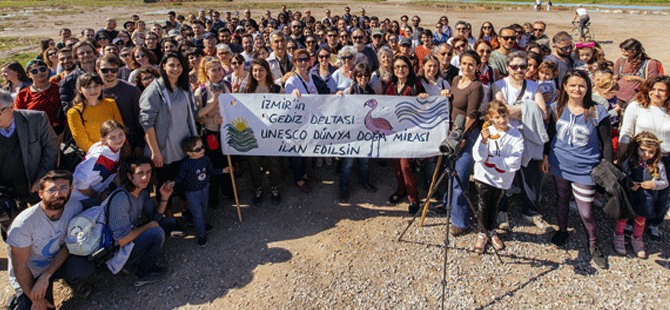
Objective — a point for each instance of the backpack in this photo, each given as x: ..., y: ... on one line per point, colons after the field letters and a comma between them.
x: 88, y: 233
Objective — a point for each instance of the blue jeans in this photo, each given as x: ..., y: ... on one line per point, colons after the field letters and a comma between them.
x: 74, y: 270
x: 461, y: 213
x: 345, y: 171
x: 148, y: 247
x: 197, y: 203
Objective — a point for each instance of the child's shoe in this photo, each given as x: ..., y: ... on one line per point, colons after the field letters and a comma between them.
x: 638, y: 247
x: 620, y: 244
x: 208, y: 227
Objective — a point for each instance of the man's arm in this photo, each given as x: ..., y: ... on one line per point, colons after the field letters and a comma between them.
x: 40, y: 287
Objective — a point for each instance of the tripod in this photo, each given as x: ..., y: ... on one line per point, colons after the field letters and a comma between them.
x: 450, y: 174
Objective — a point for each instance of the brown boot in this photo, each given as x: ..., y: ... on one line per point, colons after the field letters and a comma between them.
x: 495, y: 241
x: 480, y: 243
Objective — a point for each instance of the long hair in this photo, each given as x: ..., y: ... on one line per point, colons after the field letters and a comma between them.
x: 494, y: 36
x: 141, y: 48
x: 252, y: 83
x: 137, y: 79
x: 647, y: 139
x: 183, y: 81
x: 411, y: 76
x: 85, y: 80
x: 202, y: 69
x: 45, y: 56
x: 20, y: 74
x: 422, y: 73
x: 129, y: 167
x: 634, y: 46
x: 563, y: 97
x: 107, y: 127
x: 642, y: 96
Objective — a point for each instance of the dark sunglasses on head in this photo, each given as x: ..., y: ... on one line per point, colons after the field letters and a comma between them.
x: 40, y: 69
x: 108, y: 70
x: 515, y: 67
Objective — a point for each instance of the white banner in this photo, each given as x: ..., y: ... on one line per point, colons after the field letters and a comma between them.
x: 333, y: 126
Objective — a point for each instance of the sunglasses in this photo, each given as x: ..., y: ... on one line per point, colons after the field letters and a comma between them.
x: 197, y: 149
x: 52, y: 54
x: 508, y: 38
x: 324, y: 56
x: 290, y: 48
x: 332, y: 35
x: 393, y: 40
x: 40, y: 69
x: 350, y: 57
x: 101, y: 38
x: 487, y: 27
x: 516, y: 67
x: 108, y: 70
x: 459, y: 46
x: 235, y: 63
x: 303, y: 59
x: 540, y: 30
x: 447, y: 54
x: 566, y: 48
x: 358, y: 37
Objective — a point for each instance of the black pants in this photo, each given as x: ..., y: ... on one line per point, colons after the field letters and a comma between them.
x: 217, y: 183
x: 529, y: 179
x: 487, y: 204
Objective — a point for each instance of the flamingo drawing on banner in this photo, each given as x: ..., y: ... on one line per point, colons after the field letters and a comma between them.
x: 378, y: 126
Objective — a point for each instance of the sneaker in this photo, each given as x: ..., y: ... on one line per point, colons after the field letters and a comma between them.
x: 202, y: 241
x: 597, y: 257
x: 275, y: 197
x: 153, y: 277
x: 638, y: 247
x: 343, y: 196
x: 369, y: 188
x: 208, y: 227
x: 413, y: 208
x: 480, y: 243
x: 654, y: 233
x: 258, y: 197
x: 560, y: 238
x: 495, y: 241
x: 620, y: 244
x: 536, y: 220
x: 503, y: 220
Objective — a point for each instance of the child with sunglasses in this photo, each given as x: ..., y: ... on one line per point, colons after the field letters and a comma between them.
x: 194, y: 172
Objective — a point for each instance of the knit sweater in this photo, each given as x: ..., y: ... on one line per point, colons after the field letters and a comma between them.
x: 85, y: 126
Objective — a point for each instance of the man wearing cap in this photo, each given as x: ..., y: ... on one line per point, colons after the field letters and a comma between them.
x: 37, y: 251
x: 110, y: 29
x: 209, y: 40
x: 377, y: 39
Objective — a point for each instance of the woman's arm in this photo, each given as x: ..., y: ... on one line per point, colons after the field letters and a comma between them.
x: 627, y: 127
x: 152, y: 141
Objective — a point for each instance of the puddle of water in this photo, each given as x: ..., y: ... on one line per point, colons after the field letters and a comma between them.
x: 610, y: 6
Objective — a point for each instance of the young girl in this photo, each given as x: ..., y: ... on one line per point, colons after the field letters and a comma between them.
x: 604, y: 93
x: 139, y: 34
x: 588, y: 57
x: 94, y: 175
x: 497, y: 155
x: 547, y: 72
x: 90, y: 111
x: 642, y: 162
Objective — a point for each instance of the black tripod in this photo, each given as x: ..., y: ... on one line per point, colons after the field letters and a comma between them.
x: 450, y: 174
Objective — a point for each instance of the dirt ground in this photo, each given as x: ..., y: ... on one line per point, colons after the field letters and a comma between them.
x: 312, y: 253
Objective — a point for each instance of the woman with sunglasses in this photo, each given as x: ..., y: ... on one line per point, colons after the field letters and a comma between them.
x: 342, y: 78
x: 405, y: 83
x: 50, y: 57
x: 140, y: 57
x: 212, y: 84
x: 101, y: 40
x: 460, y: 45
x: 322, y: 71
x: 485, y: 72
x: 311, y: 46
x: 299, y: 84
x: 42, y: 95
x: 515, y: 91
x: 488, y: 33
x: 238, y: 78
x: 467, y: 95
x: 579, y: 132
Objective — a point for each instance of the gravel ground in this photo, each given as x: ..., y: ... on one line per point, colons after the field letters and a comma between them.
x: 313, y: 253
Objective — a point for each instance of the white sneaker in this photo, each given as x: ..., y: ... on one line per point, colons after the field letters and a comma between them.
x: 536, y: 220
x: 503, y: 220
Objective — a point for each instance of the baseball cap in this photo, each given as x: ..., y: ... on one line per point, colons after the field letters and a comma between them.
x: 406, y: 41
x: 376, y: 31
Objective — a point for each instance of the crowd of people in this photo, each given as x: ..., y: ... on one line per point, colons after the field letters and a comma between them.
x: 141, y: 102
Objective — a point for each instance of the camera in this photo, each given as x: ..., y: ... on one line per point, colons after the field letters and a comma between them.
x: 451, y: 146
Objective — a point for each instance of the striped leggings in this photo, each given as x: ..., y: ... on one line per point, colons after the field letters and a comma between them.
x: 584, y: 195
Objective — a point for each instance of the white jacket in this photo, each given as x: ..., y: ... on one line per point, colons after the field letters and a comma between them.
x: 497, y: 161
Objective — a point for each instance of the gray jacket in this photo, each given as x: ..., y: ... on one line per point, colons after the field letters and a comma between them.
x: 39, y: 144
x: 534, y: 133
x: 155, y: 113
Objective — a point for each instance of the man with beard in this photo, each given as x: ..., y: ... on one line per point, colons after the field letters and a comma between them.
x: 36, y: 239
x: 224, y: 37
x: 248, y: 54
x: 85, y: 54
x: 296, y: 34
x: 498, y: 63
x: 333, y: 41
x: 364, y: 53
x: 66, y: 63
x: 562, y: 54
x: 127, y: 97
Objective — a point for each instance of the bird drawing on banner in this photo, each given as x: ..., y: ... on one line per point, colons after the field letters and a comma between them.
x: 377, y: 125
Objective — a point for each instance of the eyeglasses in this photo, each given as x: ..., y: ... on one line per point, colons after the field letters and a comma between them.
x: 485, y: 52
x: 358, y: 37
x: 40, y: 69
x: 393, y: 40
x: 401, y: 67
x: 517, y: 67
x: 124, y: 55
x: 52, y: 54
x: 108, y: 70
x: 508, y: 38
x: 461, y: 28
x: 297, y: 27
x: 565, y: 48
x: 54, y: 191
x: 197, y: 149
x: 324, y: 56
x: 332, y: 35
x: 302, y: 59
x: 224, y: 53
x: 350, y: 57
x: 447, y: 54
x: 458, y: 47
